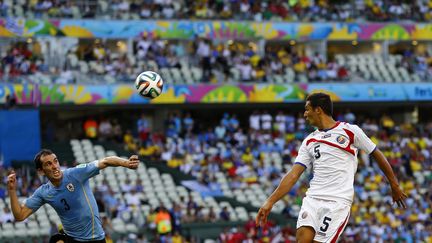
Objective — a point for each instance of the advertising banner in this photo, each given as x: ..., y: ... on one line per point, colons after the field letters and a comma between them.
x: 212, y: 94
x: 222, y: 30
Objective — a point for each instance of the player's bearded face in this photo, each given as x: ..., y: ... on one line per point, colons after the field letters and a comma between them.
x: 51, y: 167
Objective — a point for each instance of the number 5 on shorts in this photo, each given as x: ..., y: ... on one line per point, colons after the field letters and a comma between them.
x: 326, y: 224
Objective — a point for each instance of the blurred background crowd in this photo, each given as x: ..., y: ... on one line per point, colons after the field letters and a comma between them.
x: 258, y: 10
x: 243, y: 151
x: 205, y: 61
x: 260, y: 150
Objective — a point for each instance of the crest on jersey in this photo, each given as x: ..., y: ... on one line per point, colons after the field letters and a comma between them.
x: 304, y: 214
x: 341, y: 139
x: 70, y: 187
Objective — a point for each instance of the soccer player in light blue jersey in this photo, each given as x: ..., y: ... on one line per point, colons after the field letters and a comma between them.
x: 69, y: 193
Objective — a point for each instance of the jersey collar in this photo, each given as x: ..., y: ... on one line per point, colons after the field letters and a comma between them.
x: 328, y: 129
x: 61, y: 184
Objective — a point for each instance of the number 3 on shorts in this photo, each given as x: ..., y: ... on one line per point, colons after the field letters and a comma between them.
x: 326, y: 224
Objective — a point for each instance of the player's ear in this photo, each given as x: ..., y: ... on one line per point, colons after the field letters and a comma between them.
x: 41, y: 172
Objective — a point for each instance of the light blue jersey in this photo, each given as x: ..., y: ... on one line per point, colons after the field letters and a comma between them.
x: 74, y: 202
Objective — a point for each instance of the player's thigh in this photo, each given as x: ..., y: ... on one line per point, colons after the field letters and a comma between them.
x: 307, y: 221
x: 305, y: 234
x: 332, y: 223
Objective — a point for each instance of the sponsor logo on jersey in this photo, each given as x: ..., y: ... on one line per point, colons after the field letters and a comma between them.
x: 70, y: 187
x: 341, y: 139
x: 326, y: 136
x: 321, y: 233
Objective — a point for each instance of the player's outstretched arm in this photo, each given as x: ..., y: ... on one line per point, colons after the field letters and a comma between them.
x: 284, y: 187
x: 114, y: 161
x: 20, y: 212
x: 398, y: 195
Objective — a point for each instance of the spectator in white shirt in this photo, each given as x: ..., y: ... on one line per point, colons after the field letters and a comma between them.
x: 124, y: 6
x: 126, y: 186
x: 6, y: 216
x: 143, y: 46
x: 203, y: 51
x: 280, y: 122
x: 266, y: 121
x: 132, y: 199
x: 145, y: 12
x: 245, y: 70
x: 254, y: 121
x: 220, y: 131
x: 168, y: 12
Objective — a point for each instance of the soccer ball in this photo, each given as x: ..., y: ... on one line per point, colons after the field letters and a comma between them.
x: 149, y: 84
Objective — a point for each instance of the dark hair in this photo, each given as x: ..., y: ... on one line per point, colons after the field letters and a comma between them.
x: 321, y: 100
x: 37, y: 160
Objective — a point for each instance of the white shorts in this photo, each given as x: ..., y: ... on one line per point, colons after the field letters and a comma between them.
x: 328, y: 218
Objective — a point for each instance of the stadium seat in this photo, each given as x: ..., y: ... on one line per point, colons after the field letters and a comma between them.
x: 415, y: 78
x: 152, y: 65
x: 8, y: 230
x: 111, y: 153
x: 20, y: 228
x: 256, y: 204
x: 186, y: 73
x: 243, y: 216
x: 302, y: 78
x: 196, y: 73
x: 118, y: 225
x: 210, y: 241
x: 176, y: 75
x: 44, y: 230
x: 278, y: 79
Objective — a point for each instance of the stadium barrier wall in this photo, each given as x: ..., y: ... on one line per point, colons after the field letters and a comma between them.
x: 121, y: 94
x: 186, y: 29
x: 19, y: 135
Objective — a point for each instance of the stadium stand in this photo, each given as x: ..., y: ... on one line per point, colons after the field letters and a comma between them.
x: 248, y: 167
x: 246, y: 160
x: 257, y: 10
x: 237, y: 62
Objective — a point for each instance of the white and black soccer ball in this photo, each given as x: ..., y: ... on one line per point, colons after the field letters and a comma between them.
x: 149, y: 84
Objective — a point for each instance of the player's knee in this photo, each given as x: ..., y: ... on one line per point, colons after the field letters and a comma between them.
x: 305, y: 234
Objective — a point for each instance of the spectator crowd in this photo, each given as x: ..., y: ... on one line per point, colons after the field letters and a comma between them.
x: 238, y: 151
x: 237, y: 148
x: 257, y: 10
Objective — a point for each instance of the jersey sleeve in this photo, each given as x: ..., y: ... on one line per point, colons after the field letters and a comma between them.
x: 362, y: 141
x: 83, y: 172
x: 35, y: 201
x: 304, y: 158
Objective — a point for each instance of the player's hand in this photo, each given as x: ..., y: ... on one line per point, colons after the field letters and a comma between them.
x: 261, y: 218
x: 398, y: 196
x: 11, y: 181
x: 133, y: 162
